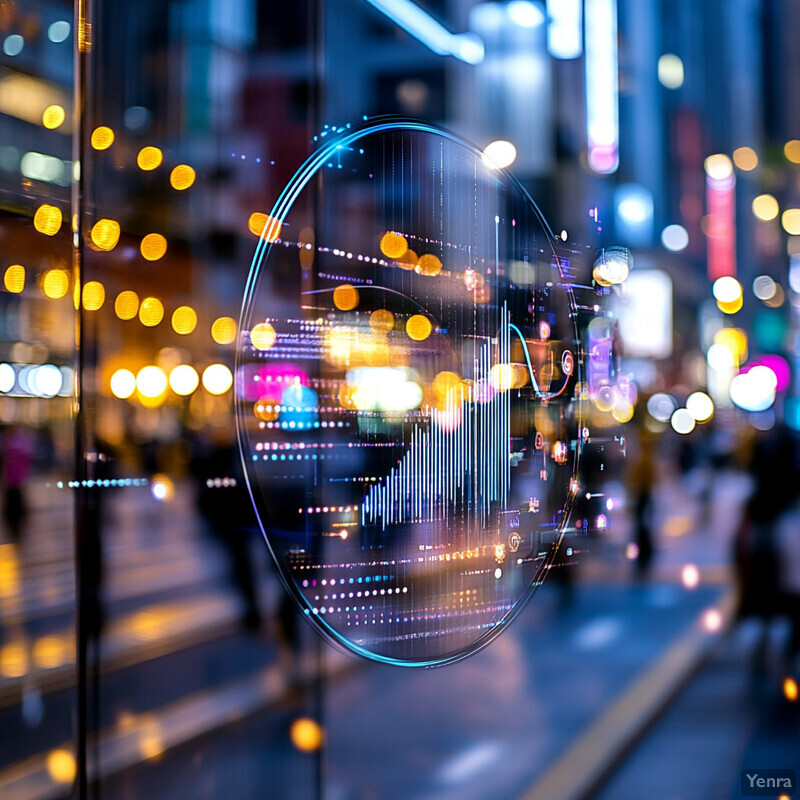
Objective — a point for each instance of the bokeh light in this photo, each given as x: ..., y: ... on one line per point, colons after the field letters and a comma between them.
x: 661, y: 405
x: 765, y: 207
x: 184, y: 320
x: 223, y: 330
x: 718, y: 166
x: 265, y: 226
x: 14, y: 278
x: 59, y: 31
x: 500, y: 153
x: 123, y: 383
x: 262, y: 336
x: 182, y: 177
x: 675, y: 238
x: 345, y: 297
x: 792, y: 151
x: 790, y: 220
x: 700, y: 406
x: 151, y: 382
x: 149, y: 158
x: 726, y: 289
x: 105, y: 234
x: 612, y: 265
x: 428, y: 264
x: 682, y: 421
x: 151, y: 312
x: 102, y: 138
x: 55, y: 283
x: 754, y: 390
x: 745, y: 158
x: 418, y: 327
x: 306, y: 735
x: 94, y: 295
x: 381, y: 320
x: 183, y: 379
x: 61, y: 766
x: 393, y: 245
x: 670, y: 71
x: 153, y: 246
x: 764, y: 287
x: 53, y: 117
x: 217, y: 379
x: 47, y: 219
x: 690, y: 576
x: 126, y: 304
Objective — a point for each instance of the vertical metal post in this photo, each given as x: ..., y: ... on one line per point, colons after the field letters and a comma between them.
x: 83, y: 41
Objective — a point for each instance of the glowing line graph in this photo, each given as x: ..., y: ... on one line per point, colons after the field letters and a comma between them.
x: 546, y: 396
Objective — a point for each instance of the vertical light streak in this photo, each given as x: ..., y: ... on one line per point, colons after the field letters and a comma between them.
x: 602, y: 85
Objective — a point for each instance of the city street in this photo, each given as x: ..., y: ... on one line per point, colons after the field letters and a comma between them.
x: 586, y: 687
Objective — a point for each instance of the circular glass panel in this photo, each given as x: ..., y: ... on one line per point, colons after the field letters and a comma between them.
x: 407, y: 391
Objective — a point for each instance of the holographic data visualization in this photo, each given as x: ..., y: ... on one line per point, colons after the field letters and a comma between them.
x: 408, y: 393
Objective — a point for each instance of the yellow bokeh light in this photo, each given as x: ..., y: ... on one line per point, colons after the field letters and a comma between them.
x: 151, y: 381
x: 418, y: 327
x: 345, y: 297
x: 306, y: 735
x: 790, y: 220
x: 262, y: 336
x: 184, y: 379
x: 102, y: 138
x: 14, y: 278
x: 408, y: 260
x: 55, y: 283
x: 265, y: 226
x: 223, y: 330
x: 47, y: 219
x: 428, y: 265
x: 792, y: 151
x: 13, y: 660
x: 182, y: 177
x: 393, y: 245
x: 731, y: 307
x: 765, y: 207
x: 53, y: 117
x: 51, y: 652
x: 126, y: 305
x: 153, y: 246
x: 184, y: 320
x: 61, y: 766
x: 790, y: 689
x: 123, y: 383
x: 718, y: 167
x: 734, y: 340
x: 745, y: 158
x: 151, y: 312
x: 149, y: 158
x: 105, y: 234
x: 381, y: 320
x: 94, y: 295
x: 217, y: 379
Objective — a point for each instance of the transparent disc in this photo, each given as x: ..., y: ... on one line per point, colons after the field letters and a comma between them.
x: 407, y: 393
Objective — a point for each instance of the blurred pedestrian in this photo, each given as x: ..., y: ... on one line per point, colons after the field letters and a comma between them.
x: 641, y: 480
x: 757, y: 545
x: 224, y: 502
x: 17, y: 455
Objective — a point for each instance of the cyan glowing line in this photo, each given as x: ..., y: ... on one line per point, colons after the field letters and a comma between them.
x: 411, y: 18
x: 534, y: 382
